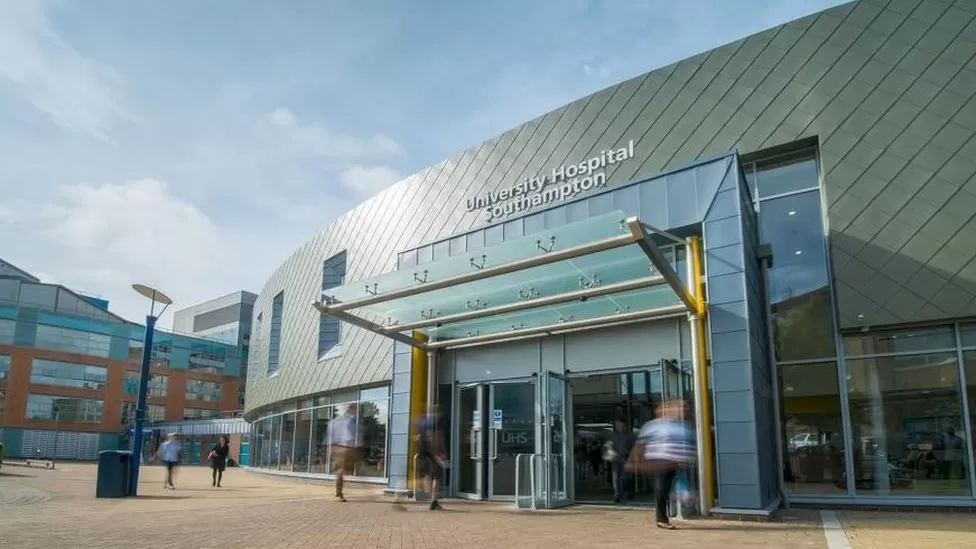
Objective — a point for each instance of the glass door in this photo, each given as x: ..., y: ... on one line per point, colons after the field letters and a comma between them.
x: 511, y: 432
x: 556, y: 448
x: 472, y: 445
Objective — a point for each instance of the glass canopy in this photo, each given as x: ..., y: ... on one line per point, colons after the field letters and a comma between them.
x: 601, y: 270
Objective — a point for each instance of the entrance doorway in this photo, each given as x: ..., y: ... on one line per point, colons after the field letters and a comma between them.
x: 601, y: 399
x: 498, y: 423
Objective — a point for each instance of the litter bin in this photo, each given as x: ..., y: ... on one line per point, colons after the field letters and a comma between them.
x: 112, y: 480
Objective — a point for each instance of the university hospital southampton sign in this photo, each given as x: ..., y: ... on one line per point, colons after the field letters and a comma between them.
x: 564, y: 182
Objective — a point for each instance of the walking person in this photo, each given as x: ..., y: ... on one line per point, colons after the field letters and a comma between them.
x: 170, y: 453
x: 345, y: 438
x: 665, y: 446
x: 619, y: 445
x: 218, y: 459
x: 431, y: 456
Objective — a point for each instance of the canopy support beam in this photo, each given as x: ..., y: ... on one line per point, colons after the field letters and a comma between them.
x: 369, y: 326
x: 661, y: 264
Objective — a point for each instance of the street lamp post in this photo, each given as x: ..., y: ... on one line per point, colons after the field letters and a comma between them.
x: 155, y: 296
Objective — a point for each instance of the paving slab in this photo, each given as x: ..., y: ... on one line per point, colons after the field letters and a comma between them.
x: 46, y: 508
x: 889, y: 529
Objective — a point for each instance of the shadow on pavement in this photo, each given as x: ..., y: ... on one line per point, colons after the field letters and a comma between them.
x: 16, y: 475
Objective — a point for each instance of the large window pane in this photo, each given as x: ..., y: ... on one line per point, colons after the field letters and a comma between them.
x: 67, y: 374
x: 969, y: 362
x: 813, y: 434
x: 320, y: 439
x: 799, y: 293
x: 4, y: 366
x: 199, y: 389
x: 906, y: 340
x: 906, y: 416
x: 373, y: 416
x: 64, y: 409
x: 72, y: 341
x: 967, y: 335
x: 785, y: 174
x: 158, y: 384
x: 303, y: 435
x: 287, y: 441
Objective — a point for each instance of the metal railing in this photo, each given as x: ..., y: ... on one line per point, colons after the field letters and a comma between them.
x: 527, y: 498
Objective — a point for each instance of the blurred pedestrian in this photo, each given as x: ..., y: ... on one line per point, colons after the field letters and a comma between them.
x: 170, y: 453
x: 346, y: 440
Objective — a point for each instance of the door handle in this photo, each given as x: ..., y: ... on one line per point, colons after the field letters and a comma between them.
x: 475, y: 445
x: 493, y: 446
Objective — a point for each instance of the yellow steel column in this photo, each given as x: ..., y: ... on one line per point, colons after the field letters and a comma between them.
x: 418, y: 402
x: 707, y: 467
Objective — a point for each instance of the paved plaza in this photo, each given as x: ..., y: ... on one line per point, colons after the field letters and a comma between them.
x: 43, y: 508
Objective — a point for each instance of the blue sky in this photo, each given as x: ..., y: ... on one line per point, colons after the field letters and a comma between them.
x: 166, y: 142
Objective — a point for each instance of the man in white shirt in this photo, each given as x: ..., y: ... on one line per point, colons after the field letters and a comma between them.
x: 346, y: 440
x: 170, y: 453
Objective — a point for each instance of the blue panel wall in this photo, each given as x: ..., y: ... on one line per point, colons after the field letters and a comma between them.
x: 399, y: 418
x: 739, y: 349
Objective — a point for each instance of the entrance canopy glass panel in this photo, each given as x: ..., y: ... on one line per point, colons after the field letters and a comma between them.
x: 602, y: 270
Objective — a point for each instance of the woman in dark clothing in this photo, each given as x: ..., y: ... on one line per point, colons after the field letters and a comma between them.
x: 218, y: 459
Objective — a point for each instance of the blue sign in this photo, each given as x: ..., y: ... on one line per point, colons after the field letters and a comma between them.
x: 476, y: 416
x: 497, y: 419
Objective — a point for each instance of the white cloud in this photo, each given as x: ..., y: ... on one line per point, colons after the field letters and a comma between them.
x: 109, y: 236
x: 368, y: 180
x: 77, y: 92
x: 314, y: 139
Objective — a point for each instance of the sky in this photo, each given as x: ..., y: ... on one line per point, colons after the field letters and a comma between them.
x: 193, y: 146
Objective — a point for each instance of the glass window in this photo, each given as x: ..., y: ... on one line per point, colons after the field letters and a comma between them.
x: 287, y: 441
x: 799, y: 292
x: 556, y: 217
x: 72, y: 341
x: 7, y: 328
x: 209, y: 391
x: 38, y: 295
x: 458, y: 245
x: 813, y: 434
x: 442, y: 249
x: 64, y: 409
x: 494, y: 234
x: 475, y: 240
x: 330, y: 329
x: 200, y: 413
x: 513, y: 229
x: 158, y: 384
x: 67, y: 374
x: 321, y: 417
x: 4, y: 366
x: 274, y: 341
x: 534, y: 223
x: 425, y: 255
x: 372, y: 417
x: 154, y: 414
x: 205, y: 358
x: 789, y: 173
x: 905, y: 340
x: 407, y: 259
x: 303, y: 436
x: 906, y: 419
x: 969, y: 364
x: 375, y: 393
x: 967, y: 335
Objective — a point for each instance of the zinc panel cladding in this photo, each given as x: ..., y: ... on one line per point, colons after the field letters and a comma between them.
x: 886, y: 86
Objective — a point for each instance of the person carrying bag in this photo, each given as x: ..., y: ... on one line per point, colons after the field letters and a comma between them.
x: 665, y: 446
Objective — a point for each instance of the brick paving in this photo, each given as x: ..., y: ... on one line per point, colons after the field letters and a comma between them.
x: 886, y: 529
x: 56, y: 508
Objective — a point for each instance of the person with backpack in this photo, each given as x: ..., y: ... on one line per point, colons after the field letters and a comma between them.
x: 431, y: 455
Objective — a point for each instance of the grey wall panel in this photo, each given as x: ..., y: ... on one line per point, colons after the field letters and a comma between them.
x: 887, y: 87
x: 632, y: 346
x: 518, y: 359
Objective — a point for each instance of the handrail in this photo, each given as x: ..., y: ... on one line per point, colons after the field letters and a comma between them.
x: 416, y: 457
x: 518, y: 479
